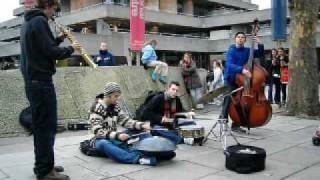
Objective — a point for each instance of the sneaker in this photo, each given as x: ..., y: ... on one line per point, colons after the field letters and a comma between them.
x: 189, y: 141
x: 163, y: 79
x: 238, y: 129
x: 154, y: 76
x: 53, y: 175
x: 151, y: 161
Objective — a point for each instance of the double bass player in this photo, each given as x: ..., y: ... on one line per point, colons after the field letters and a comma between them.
x: 237, y: 56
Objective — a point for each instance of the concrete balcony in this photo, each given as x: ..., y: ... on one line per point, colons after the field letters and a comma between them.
x: 236, y: 18
x: 18, y: 11
x: 11, y: 49
x: 12, y: 22
x: 119, y: 44
x: 8, y: 34
x: 236, y: 3
x: 122, y: 12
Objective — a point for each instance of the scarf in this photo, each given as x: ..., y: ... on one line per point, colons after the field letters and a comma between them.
x: 169, y: 106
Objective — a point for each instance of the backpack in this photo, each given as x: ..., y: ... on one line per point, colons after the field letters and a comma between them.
x: 87, y: 149
x: 140, y: 110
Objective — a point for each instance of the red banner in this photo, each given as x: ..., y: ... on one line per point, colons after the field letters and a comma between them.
x: 137, y: 24
x: 28, y: 4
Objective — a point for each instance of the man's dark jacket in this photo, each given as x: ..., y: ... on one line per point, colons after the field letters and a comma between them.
x: 39, y: 49
x: 154, y: 110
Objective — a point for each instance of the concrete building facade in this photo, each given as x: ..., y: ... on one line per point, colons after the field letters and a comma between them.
x: 203, y: 27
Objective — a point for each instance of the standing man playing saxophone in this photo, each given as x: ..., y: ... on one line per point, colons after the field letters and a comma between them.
x: 39, y: 50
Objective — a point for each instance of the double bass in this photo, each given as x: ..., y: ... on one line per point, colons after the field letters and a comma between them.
x: 249, y: 106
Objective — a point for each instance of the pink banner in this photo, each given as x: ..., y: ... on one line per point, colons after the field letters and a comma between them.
x: 136, y: 24
x: 28, y: 4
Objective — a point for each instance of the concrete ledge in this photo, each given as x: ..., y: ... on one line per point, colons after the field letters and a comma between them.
x: 76, y: 88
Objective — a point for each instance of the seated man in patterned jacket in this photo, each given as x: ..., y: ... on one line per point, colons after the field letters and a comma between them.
x: 105, y: 115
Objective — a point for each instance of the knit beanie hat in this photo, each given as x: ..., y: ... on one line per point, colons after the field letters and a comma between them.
x: 110, y: 88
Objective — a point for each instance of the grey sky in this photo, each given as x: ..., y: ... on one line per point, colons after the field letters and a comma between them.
x: 7, y: 6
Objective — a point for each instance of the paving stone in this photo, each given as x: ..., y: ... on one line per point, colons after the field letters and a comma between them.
x: 297, y: 155
x: 110, y: 168
x: 270, y: 145
x: 3, y: 175
x: 311, y: 173
x: 172, y: 170
x: 17, y: 159
x: 213, y: 159
x: 117, y: 178
x: 20, y: 172
x: 185, y: 152
x: 295, y: 137
x: 78, y: 172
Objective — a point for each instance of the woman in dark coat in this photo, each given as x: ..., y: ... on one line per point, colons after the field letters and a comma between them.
x: 191, y: 77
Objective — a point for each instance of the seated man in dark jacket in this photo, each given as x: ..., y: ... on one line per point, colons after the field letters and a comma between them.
x: 105, y: 57
x: 163, y: 107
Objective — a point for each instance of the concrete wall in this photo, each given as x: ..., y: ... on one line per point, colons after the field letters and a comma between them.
x: 76, y: 88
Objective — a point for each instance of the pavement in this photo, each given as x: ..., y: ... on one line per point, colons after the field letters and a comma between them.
x: 287, y: 141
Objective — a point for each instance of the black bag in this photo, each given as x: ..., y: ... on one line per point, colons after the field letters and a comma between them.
x: 87, y: 149
x: 25, y: 119
x: 140, y: 110
x: 245, y: 159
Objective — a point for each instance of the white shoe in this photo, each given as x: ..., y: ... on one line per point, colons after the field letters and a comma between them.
x: 189, y: 141
x: 148, y: 161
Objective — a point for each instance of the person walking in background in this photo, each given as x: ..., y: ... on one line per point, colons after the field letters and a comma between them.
x: 274, y: 71
x: 191, y: 78
x: 105, y: 57
x: 149, y: 58
x: 39, y: 52
x: 284, y: 60
x: 218, y: 76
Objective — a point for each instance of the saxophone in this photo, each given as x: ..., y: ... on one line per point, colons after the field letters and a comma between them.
x: 72, y: 39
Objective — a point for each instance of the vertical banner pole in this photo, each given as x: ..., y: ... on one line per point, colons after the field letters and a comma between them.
x: 137, y: 27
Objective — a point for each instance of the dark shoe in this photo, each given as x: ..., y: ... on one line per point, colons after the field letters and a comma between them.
x: 222, y: 117
x: 53, y: 175
x: 56, y: 168
x: 238, y: 129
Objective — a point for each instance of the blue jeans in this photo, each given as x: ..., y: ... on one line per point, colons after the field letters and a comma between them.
x: 120, y: 151
x: 172, y: 136
x: 43, y: 103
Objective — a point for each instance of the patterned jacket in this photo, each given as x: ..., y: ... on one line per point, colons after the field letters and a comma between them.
x: 105, y: 118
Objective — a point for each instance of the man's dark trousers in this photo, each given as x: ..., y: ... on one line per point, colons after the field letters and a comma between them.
x: 43, y: 103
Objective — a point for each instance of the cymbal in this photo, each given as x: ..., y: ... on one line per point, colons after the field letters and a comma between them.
x: 212, y: 94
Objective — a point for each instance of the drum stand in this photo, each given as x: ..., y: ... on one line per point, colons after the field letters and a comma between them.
x: 224, y: 128
x: 224, y: 131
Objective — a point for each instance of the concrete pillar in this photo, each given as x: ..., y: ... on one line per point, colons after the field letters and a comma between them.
x: 151, y: 5
x: 168, y: 6
x: 102, y: 27
x: 188, y: 7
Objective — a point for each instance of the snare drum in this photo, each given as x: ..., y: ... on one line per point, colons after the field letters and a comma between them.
x: 191, y: 131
